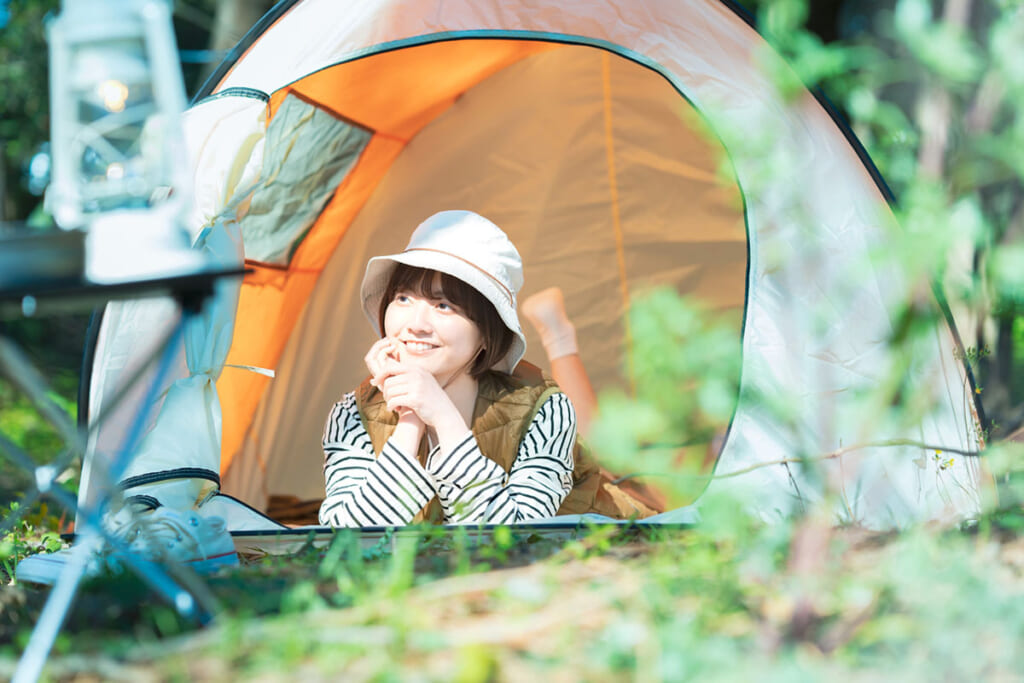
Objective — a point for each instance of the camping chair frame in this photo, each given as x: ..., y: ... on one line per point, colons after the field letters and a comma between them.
x: 179, y: 586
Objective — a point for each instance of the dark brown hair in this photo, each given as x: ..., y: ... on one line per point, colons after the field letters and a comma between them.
x: 497, y: 338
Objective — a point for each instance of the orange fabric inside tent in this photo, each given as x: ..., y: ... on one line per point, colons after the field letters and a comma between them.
x: 423, y: 81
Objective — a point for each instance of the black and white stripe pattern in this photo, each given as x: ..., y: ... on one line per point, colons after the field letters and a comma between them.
x: 363, y: 490
x: 390, y: 490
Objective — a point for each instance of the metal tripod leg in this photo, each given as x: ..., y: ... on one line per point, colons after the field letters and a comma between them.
x: 93, y: 536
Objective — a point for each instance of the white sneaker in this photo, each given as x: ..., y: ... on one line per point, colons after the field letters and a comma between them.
x: 163, y: 535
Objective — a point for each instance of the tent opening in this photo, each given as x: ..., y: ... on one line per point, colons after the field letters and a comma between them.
x: 601, y: 172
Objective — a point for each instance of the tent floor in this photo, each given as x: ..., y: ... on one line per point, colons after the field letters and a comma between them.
x: 566, y: 528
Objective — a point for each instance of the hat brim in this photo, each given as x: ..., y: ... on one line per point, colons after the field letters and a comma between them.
x: 378, y: 272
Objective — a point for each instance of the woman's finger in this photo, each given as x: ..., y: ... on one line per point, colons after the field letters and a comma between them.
x: 398, y: 398
x: 390, y: 368
x: 382, y: 360
x: 394, y: 385
x: 396, y: 405
x: 390, y: 349
x: 375, y: 357
x: 402, y: 390
x: 397, y: 349
x: 379, y: 362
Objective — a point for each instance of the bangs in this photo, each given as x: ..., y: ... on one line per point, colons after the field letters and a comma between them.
x: 421, y: 282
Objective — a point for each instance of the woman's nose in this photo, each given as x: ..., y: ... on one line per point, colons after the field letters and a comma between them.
x: 419, y: 317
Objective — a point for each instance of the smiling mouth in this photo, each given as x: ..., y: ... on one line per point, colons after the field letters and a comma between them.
x: 418, y: 346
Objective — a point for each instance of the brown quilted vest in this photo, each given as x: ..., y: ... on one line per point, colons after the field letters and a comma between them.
x: 505, y: 407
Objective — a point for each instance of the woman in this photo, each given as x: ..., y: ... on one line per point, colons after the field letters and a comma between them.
x: 442, y: 430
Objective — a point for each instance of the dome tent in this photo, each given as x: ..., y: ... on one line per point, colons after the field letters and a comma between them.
x: 332, y: 130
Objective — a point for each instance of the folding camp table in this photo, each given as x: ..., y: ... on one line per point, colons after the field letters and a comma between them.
x: 65, y: 291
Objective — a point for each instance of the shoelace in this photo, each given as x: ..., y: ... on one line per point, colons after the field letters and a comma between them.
x: 157, y: 534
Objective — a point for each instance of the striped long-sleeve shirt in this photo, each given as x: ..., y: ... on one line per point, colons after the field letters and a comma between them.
x: 364, y: 490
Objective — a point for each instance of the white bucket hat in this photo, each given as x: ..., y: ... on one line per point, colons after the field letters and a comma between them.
x: 469, y: 247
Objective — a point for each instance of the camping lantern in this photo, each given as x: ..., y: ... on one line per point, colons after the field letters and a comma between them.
x: 118, y: 166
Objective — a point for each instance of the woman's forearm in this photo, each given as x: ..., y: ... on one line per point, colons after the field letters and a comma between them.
x: 408, y: 433
x: 365, y: 490
x: 474, y: 489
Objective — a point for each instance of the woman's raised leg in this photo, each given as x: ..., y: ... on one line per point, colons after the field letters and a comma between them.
x: 546, y: 312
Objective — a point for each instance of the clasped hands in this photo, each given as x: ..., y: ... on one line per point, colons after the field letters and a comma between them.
x: 408, y: 389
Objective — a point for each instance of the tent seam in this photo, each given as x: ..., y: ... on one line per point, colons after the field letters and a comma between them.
x: 613, y: 189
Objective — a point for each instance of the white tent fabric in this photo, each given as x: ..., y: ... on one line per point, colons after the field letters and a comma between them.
x: 182, y: 427
x: 818, y: 312
x: 186, y: 434
x: 129, y: 333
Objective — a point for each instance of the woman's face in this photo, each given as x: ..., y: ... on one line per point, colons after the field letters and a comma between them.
x: 434, y: 333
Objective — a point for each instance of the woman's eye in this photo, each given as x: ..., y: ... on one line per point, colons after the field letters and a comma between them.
x: 444, y: 306
x: 401, y: 298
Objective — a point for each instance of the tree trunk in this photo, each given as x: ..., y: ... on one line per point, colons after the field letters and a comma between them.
x: 3, y: 181
x: 232, y: 21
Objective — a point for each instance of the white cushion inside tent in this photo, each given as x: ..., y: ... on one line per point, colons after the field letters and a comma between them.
x: 599, y: 171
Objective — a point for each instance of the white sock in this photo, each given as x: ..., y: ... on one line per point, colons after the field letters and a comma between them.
x: 564, y: 344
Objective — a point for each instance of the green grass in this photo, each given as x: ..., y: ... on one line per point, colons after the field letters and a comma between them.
x: 23, y: 426
x: 728, y: 602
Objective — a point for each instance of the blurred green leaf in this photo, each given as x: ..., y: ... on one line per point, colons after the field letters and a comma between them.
x: 943, y: 48
x: 1007, y: 272
x: 1006, y: 45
